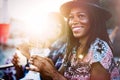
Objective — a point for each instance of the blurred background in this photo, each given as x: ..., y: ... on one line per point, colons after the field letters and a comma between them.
x: 27, y: 18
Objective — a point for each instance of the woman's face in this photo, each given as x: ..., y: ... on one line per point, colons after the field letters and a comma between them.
x: 79, y: 22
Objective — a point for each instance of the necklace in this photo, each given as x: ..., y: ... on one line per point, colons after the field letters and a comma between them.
x: 79, y: 53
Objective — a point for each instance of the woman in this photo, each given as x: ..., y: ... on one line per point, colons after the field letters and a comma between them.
x: 89, y: 51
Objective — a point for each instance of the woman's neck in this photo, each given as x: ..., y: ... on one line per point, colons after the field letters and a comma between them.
x: 81, y: 49
x: 83, y: 41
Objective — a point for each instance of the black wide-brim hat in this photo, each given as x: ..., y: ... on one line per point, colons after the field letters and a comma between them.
x: 95, y: 4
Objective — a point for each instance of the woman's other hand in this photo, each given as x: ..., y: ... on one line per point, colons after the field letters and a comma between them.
x: 18, y: 68
x: 15, y: 60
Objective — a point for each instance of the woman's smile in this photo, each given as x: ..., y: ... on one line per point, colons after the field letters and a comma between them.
x: 76, y: 28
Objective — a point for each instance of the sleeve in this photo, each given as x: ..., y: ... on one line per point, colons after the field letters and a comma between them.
x: 101, y: 52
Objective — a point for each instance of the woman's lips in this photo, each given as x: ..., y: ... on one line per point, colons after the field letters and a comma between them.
x: 76, y: 29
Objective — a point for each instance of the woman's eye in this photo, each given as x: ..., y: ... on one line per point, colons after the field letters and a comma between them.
x: 81, y: 16
x: 71, y: 17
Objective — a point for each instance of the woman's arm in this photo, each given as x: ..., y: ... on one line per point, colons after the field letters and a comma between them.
x: 98, y: 72
x: 45, y: 67
x: 101, y: 60
x: 57, y: 76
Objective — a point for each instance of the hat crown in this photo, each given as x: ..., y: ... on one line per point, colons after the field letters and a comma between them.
x: 96, y: 2
x: 93, y: 4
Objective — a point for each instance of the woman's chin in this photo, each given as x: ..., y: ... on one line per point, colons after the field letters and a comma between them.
x: 77, y: 36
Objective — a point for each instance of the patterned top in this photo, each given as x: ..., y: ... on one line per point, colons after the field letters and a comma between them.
x: 99, y: 51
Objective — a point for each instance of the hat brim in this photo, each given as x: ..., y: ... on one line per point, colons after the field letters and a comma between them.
x: 66, y: 7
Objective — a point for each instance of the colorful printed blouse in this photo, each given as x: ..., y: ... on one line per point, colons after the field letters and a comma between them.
x: 99, y: 52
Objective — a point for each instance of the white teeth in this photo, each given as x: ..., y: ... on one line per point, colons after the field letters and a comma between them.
x: 74, y: 29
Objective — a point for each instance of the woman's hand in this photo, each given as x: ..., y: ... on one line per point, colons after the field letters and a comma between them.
x: 15, y: 60
x: 42, y: 65
x: 19, y: 69
x: 45, y: 66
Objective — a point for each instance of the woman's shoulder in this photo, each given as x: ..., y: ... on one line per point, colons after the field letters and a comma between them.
x: 100, y: 49
x: 101, y: 52
x: 99, y: 41
x: 100, y: 45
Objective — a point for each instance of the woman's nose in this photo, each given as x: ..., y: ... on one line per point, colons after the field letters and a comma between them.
x: 75, y: 23
x: 76, y: 20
